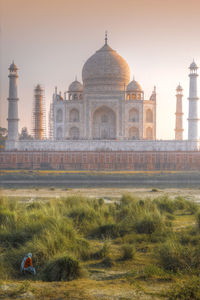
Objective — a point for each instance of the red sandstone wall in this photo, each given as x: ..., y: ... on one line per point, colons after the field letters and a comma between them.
x: 95, y: 160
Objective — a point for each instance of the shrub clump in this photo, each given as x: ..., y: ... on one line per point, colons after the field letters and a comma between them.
x: 128, y: 252
x: 102, y: 253
x: 107, y: 262
x: 165, y: 204
x: 185, y: 290
x: 154, y: 272
x: 107, y: 231
x: 198, y: 220
x: 62, y: 269
x: 174, y: 257
x: 149, y: 223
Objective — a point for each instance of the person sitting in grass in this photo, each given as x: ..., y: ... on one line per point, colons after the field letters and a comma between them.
x: 27, y: 265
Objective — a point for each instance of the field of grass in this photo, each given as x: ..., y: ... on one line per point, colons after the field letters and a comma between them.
x: 130, y: 247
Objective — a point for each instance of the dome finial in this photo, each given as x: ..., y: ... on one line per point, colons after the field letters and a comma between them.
x: 106, y: 37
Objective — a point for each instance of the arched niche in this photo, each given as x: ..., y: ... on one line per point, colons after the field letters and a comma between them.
x: 104, y: 123
x: 74, y: 133
x: 74, y: 115
x: 59, y: 116
x: 149, y: 116
x: 149, y: 133
x: 59, y: 133
x: 134, y: 133
x: 133, y: 115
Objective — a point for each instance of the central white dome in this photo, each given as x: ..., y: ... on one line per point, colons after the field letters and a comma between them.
x: 106, y: 70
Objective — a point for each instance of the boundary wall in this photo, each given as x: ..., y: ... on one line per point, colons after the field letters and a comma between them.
x: 99, y: 160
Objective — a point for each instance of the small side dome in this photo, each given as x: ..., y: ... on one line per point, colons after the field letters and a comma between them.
x: 75, y: 86
x: 193, y: 66
x: 13, y: 67
x: 134, y: 86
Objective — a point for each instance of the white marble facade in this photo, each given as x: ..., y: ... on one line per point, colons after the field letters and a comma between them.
x: 107, y: 106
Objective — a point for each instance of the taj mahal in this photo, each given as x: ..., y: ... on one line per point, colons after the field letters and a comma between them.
x: 107, y: 106
x: 107, y: 113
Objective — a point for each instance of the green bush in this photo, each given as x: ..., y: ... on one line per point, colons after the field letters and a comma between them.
x: 62, y: 269
x: 174, y: 257
x: 102, y: 253
x: 107, y: 262
x: 127, y: 252
x: 165, y: 204
x: 107, y: 231
x: 128, y: 199
x: 185, y: 290
x: 187, y: 205
x: 153, y: 271
x: 149, y: 223
x: 7, y: 217
x: 198, y: 220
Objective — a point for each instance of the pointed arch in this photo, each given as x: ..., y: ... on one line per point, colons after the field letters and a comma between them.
x: 149, y: 133
x: 133, y: 133
x: 59, y: 115
x: 149, y: 116
x: 59, y: 133
x: 74, y: 133
x: 104, y: 123
x: 74, y: 115
x: 133, y: 115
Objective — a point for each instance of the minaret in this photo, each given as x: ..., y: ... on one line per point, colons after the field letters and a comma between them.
x: 193, y: 104
x: 13, y: 104
x: 38, y: 113
x: 179, y: 114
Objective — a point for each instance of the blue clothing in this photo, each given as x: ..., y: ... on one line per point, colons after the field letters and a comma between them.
x: 30, y: 270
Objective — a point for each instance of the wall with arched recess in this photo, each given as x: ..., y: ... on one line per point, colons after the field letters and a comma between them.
x: 103, y: 123
x: 133, y: 115
x: 59, y: 133
x: 74, y: 115
x: 149, y: 133
x: 59, y: 115
x: 133, y: 133
x: 149, y: 116
x: 74, y: 133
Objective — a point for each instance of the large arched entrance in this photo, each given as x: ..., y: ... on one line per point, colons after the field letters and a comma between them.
x: 104, y: 124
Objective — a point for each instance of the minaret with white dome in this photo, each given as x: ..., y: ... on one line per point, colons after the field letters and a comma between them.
x: 179, y: 114
x: 13, y: 119
x: 193, y: 119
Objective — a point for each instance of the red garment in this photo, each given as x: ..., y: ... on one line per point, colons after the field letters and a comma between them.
x: 28, y: 263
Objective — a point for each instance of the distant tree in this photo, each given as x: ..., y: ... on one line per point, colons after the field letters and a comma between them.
x: 3, y: 137
x: 24, y: 135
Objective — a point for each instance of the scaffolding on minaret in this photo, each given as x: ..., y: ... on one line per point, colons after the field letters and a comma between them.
x: 51, y: 118
x: 51, y: 115
x: 39, y: 114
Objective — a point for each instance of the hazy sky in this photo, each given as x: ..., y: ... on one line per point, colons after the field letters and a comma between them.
x: 51, y: 39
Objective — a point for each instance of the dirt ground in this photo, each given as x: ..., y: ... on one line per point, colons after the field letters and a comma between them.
x: 108, y: 194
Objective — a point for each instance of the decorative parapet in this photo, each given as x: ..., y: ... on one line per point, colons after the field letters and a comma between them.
x: 103, y: 145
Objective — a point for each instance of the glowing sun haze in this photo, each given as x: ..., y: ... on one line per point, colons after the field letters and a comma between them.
x: 50, y: 40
